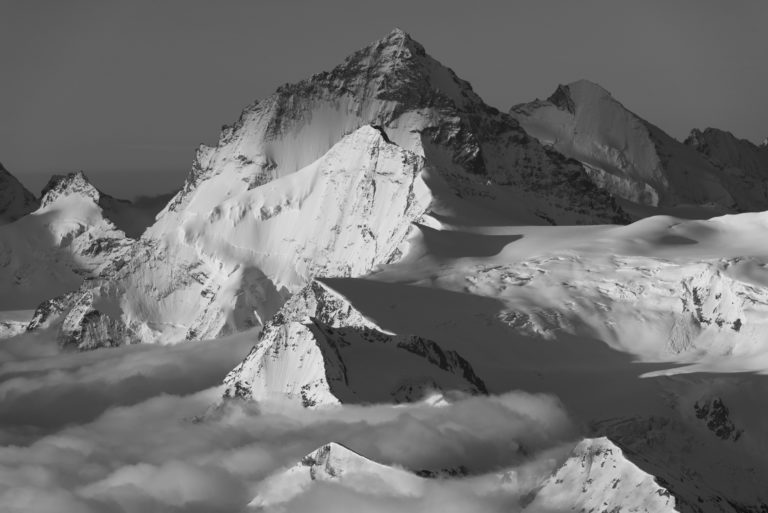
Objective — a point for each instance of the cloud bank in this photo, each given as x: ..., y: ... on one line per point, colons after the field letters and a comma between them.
x: 132, y: 430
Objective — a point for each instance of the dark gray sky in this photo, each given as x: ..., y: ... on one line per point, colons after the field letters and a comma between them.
x: 125, y: 90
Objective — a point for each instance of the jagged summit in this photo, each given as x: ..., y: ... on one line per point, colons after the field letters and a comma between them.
x: 64, y: 185
x: 15, y: 200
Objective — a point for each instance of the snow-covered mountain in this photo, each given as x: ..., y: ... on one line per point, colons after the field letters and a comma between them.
x: 53, y: 249
x: 15, y: 200
x: 335, y: 463
x: 597, y: 476
x: 324, y: 178
x: 319, y: 350
x: 633, y: 158
x: 590, y: 315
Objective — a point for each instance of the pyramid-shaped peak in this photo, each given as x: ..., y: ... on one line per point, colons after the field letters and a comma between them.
x: 68, y: 184
x: 332, y: 449
x: 400, y: 38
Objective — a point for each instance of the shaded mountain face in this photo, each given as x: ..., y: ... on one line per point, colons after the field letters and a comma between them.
x: 743, y: 163
x: 15, y: 200
x: 634, y: 159
x: 324, y: 178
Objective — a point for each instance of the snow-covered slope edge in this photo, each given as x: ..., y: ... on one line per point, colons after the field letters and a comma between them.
x: 231, y: 265
x: 15, y: 200
x: 320, y: 350
x: 629, y: 156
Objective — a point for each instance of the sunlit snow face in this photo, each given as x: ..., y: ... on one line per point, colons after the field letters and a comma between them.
x: 149, y: 441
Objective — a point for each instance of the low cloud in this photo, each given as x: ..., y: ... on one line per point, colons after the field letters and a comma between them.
x: 152, y: 442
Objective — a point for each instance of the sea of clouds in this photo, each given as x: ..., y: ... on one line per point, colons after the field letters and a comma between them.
x: 143, y: 429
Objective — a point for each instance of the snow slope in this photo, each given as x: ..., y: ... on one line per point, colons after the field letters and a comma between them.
x: 334, y: 462
x: 15, y: 200
x: 232, y: 259
x: 598, y: 477
x: 224, y: 236
x: 632, y: 158
x: 53, y: 249
x: 319, y: 350
x: 644, y: 332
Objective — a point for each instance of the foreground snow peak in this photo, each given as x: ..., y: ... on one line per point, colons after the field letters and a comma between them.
x: 335, y: 463
x: 319, y: 350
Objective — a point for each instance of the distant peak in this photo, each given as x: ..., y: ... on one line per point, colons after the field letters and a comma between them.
x: 764, y: 144
x: 65, y: 185
x: 398, y: 39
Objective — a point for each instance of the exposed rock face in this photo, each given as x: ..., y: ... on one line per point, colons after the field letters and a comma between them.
x: 335, y: 463
x: 598, y: 477
x: 632, y: 158
x: 15, y: 200
x: 320, y: 350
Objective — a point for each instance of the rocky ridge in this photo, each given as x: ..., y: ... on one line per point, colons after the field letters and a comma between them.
x: 318, y: 350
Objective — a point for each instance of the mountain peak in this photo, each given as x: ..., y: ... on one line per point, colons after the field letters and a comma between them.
x: 399, y: 38
x: 332, y: 450
x: 567, y: 96
x: 66, y: 185
x: 764, y: 144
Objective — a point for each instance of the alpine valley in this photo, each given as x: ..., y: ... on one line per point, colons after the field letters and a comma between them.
x: 375, y: 246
